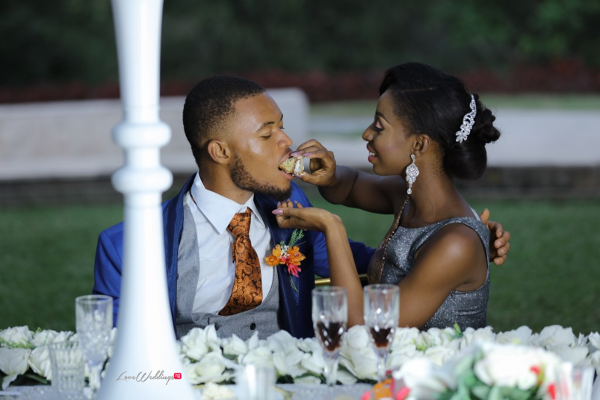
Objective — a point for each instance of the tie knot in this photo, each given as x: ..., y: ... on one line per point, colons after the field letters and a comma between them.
x: 240, y: 224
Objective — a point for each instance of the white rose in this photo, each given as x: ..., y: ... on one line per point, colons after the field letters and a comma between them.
x: 258, y: 356
x: 13, y: 362
x: 20, y: 335
x: 212, y: 368
x: 405, y: 337
x: 514, y: 366
x: 424, y: 379
x: 212, y: 339
x: 439, y: 354
x: 282, y: 341
x: 474, y: 336
x: 193, y: 345
x: 235, y: 346
x: 399, y: 356
x: 309, y: 345
x: 594, y: 341
x: 345, y: 377
x: 357, y: 337
x: 556, y: 335
x: 314, y: 362
x: 212, y: 391
x: 521, y: 335
x: 361, y: 362
x: 437, y: 337
x: 39, y: 361
x: 574, y: 355
x: 289, y: 362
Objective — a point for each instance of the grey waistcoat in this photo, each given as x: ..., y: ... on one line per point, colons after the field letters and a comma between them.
x: 262, y: 319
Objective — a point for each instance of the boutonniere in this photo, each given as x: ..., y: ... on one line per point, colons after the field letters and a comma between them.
x: 289, y: 255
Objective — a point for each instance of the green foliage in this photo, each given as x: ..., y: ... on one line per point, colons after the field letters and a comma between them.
x: 73, y: 40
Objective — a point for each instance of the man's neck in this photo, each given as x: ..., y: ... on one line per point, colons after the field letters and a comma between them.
x: 224, y: 187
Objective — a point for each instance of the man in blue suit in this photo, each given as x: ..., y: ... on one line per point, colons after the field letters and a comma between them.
x: 236, y: 134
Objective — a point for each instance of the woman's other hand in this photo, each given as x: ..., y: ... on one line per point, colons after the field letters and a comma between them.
x: 311, y: 218
x: 322, y: 163
x: 499, y: 239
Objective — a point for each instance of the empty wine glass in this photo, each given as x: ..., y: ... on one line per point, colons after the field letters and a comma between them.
x: 381, y: 314
x: 94, y: 321
x: 330, y: 316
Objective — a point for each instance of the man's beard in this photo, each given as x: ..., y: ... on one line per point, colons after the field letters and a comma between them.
x: 242, y: 179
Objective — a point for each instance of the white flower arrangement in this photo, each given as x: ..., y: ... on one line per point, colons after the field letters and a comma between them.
x: 429, y: 355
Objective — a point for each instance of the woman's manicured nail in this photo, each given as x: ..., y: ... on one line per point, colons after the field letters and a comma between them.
x: 307, y: 154
x: 294, y: 154
x: 277, y: 211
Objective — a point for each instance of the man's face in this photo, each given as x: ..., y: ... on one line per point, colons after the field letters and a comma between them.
x: 260, y: 146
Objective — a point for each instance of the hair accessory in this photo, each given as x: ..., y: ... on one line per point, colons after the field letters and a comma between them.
x: 411, y: 173
x: 468, y: 122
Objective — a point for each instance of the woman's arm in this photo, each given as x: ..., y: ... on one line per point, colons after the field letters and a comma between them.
x: 339, y: 255
x: 347, y: 186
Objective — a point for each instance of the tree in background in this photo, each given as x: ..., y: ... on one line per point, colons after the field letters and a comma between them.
x: 73, y: 40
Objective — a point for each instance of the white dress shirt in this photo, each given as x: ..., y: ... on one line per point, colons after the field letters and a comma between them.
x: 212, y: 214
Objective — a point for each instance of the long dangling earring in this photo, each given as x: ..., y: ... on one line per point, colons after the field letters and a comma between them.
x: 411, y: 173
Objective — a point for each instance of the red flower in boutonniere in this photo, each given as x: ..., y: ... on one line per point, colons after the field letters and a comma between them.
x: 288, y: 254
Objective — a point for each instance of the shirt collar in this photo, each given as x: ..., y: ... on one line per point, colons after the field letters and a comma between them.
x: 219, y: 210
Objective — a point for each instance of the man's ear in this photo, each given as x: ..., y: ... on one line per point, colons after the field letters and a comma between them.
x: 219, y: 151
x: 422, y: 144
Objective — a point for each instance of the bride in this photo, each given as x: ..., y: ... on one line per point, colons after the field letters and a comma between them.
x: 427, y: 131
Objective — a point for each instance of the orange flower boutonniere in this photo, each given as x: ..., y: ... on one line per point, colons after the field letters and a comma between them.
x: 288, y: 254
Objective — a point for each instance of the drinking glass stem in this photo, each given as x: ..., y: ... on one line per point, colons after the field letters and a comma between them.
x: 330, y: 369
x: 381, y: 363
x: 95, y: 377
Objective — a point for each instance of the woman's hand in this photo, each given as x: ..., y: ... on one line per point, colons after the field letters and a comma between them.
x: 305, y: 218
x: 322, y: 163
x: 499, y: 239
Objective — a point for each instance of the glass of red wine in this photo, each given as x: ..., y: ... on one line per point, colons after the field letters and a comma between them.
x: 330, y: 317
x: 381, y: 313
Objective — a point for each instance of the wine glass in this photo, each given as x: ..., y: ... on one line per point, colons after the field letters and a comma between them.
x: 94, y: 320
x: 381, y: 314
x: 330, y: 316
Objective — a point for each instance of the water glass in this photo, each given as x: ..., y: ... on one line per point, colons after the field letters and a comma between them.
x: 330, y: 317
x: 67, y: 368
x: 574, y: 383
x: 94, y: 321
x: 255, y: 382
x: 381, y: 314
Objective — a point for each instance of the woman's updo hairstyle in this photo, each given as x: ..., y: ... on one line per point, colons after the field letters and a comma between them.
x: 434, y: 103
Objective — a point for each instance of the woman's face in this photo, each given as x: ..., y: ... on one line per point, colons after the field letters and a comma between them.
x: 389, y: 143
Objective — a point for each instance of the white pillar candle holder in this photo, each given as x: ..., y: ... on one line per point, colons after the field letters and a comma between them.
x: 146, y: 342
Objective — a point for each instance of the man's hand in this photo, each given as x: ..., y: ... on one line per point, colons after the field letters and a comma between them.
x: 322, y: 163
x: 499, y: 239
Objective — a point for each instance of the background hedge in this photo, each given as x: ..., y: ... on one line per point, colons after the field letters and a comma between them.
x: 542, y: 45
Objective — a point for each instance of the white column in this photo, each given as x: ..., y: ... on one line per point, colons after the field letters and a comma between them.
x: 146, y: 341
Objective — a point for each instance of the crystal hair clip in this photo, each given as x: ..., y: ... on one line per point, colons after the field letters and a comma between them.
x: 467, y: 123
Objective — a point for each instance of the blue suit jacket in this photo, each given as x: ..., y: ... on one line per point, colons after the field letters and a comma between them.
x: 295, y: 306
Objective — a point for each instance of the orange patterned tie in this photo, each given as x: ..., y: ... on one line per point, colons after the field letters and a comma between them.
x: 247, y: 285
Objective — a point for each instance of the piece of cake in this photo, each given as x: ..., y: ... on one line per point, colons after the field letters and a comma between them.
x: 293, y: 165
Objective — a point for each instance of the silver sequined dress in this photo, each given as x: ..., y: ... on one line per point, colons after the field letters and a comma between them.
x: 468, y: 309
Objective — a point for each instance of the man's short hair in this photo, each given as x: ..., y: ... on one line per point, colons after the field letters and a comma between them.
x: 209, y: 103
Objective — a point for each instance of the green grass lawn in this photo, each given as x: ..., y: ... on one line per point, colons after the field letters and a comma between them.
x: 552, y: 275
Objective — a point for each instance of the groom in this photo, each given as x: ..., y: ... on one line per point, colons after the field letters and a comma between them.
x: 236, y: 134
x: 219, y: 229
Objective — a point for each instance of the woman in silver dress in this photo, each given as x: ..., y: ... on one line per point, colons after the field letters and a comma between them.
x: 428, y: 130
